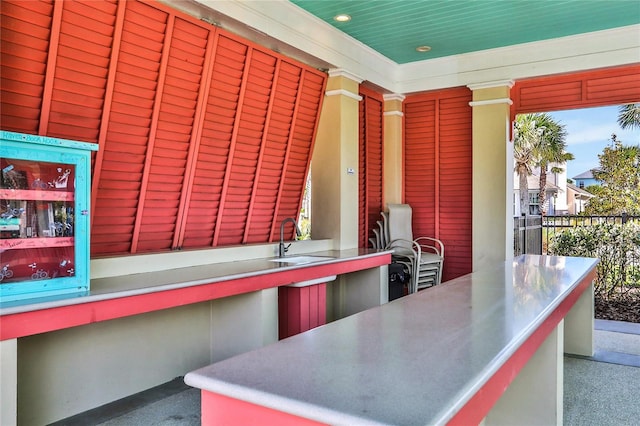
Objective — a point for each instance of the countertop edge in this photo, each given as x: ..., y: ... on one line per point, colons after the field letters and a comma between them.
x: 78, y: 299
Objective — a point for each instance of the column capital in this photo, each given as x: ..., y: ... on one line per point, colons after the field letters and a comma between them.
x: 340, y: 72
x: 491, y: 84
x: 343, y: 92
x: 393, y: 97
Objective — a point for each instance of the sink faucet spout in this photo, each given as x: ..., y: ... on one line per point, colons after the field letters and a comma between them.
x: 282, y: 249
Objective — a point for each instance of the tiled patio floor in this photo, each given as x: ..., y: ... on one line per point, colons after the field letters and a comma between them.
x: 602, y: 390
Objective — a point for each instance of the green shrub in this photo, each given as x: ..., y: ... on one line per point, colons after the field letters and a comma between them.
x: 618, y: 248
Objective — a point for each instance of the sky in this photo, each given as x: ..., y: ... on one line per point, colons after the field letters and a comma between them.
x: 588, y: 132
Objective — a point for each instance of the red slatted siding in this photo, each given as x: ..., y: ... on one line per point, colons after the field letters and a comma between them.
x: 125, y: 149
x: 438, y: 158
x: 420, y: 163
x: 173, y: 134
x: 300, y: 145
x: 455, y: 212
x: 362, y: 176
x: 613, y: 86
x: 370, y: 165
x: 217, y: 134
x: 204, y: 137
x: 275, y: 149
x: 250, y: 131
x: 25, y: 29
x: 80, y: 75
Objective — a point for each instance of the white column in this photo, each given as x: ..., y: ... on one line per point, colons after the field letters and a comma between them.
x: 8, y: 382
x: 334, y: 165
x: 393, y: 164
x: 492, y: 172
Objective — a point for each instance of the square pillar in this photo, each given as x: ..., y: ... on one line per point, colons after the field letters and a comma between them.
x: 334, y: 164
x: 9, y: 382
x: 492, y: 216
x: 393, y: 153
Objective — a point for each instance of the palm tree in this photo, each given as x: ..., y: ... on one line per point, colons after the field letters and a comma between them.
x: 538, y: 142
x: 629, y: 116
x: 552, y: 149
x: 525, y: 139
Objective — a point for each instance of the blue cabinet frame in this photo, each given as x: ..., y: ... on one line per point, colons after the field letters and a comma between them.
x: 44, y: 217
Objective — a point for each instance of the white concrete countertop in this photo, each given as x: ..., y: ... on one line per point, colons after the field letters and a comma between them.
x: 177, y: 278
x: 416, y: 360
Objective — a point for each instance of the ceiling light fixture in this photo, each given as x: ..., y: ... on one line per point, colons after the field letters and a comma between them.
x: 342, y: 18
x: 423, y: 48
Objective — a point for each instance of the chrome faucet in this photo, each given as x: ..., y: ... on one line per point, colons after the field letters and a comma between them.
x: 282, y: 249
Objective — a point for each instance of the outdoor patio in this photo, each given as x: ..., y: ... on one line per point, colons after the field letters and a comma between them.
x: 601, y: 390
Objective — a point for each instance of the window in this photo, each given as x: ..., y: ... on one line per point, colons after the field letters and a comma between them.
x: 534, y: 203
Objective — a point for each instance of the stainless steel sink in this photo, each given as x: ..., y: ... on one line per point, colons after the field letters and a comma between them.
x: 301, y: 260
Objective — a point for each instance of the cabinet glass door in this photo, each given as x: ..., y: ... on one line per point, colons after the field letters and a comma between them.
x: 36, y: 220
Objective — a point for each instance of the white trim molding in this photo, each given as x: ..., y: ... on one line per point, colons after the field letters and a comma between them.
x: 343, y: 92
x: 339, y: 72
x: 491, y: 84
x: 394, y: 97
x: 491, y: 102
x: 392, y: 113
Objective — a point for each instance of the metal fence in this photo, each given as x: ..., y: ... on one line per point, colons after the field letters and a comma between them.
x: 532, y: 234
x: 527, y: 235
x: 553, y: 224
x: 619, y: 267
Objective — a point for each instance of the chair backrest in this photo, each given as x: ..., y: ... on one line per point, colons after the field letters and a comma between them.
x: 399, y: 222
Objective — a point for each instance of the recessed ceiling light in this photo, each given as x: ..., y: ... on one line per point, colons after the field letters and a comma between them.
x: 423, y: 48
x: 342, y: 18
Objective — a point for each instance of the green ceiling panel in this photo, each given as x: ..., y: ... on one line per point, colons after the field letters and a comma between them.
x: 395, y: 28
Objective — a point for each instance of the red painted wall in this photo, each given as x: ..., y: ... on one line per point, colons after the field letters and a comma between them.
x: 611, y: 86
x: 205, y: 138
x: 370, y: 153
x: 437, y: 172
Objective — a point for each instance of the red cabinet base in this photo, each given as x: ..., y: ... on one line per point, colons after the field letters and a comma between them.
x: 301, y: 308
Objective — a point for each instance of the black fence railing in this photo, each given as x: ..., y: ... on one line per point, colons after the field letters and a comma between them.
x: 553, y: 224
x: 617, y: 248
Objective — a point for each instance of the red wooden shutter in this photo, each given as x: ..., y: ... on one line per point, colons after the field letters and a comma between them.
x: 300, y: 145
x: 420, y: 163
x: 249, y: 130
x: 438, y: 159
x: 205, y: 138
x: 118, y: 191
x: 26, y: 28
x: 612, y: 86
x: 274, y: 148
x: 455, y: 182
x: 214, y: 151
x: 77, y: 75
x: 167, y: 159
x: 370, y: 164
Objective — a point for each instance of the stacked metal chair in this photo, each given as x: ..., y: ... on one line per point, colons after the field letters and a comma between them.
x: 423, y: 256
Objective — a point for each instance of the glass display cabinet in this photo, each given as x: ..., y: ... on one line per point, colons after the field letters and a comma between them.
x: 44, y: 216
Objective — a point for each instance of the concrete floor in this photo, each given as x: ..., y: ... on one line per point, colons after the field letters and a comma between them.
x: 602, y: 390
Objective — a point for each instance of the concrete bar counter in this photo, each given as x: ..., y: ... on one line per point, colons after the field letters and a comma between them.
x: 147, y: 325
x: 484, y: 347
